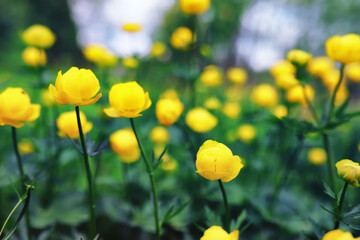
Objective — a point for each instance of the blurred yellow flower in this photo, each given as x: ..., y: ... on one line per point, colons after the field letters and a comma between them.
x: 127, y: 100
x: 296, y: 94
x: 280, y: 111
x: 264, y: 95
x: 181, y: 37
x: 25, y: 146
x: 298, y: 56
x: 282, y: 67
x: 352, y: 72
x: 46, y: 98
x: 168, y: 164
x: 349, y: 171
x: 39, y: 36
x: 33, y: 56
x: 130, y: 62
x: 286, y: 81
x: 68, y: 126
x: 99, y: 55
x: 200, y: 120
x: 131, y: 27
x: 159, y: 135
x: 217, y: 233
x: 16, y: 107
x: 237, y: 75
x: 215, y: 161
x: 212, y: 103
x: 331, y: 78
x: 211, y: 76
x: 246, y: 133
x: 319, y: 66
x: 123, y: 142
x: 76, y: 86
x: 158, y: 49
x: 341, y: 95
x: 317, y: 156
x: 170, y: 93
x: 344, y: 49
x: 194, y: 6
x: 168, y: 110
x: 232, y: 109
x: 338, y: 234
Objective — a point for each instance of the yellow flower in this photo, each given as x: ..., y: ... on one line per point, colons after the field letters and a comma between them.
x: 127, y: 100
x: 212, y: 103
x: 170, y: 93
x: 352, y: 72
x: 211, y: 76
x: 68, y: 126
x: 130, y: 62
x: 25, y: 146
x: 217, y: 233
x: 123, y: 142
x: 237, y: 75
x: 338, y: 234
x: 286, y: 81
x: 246, y: 133
x: 298, y: 56
x: 46, y: 98
x: 282, y: 67
x: 317, y: 156
x: 39, y: 36
x: 232, y: 109
x: 349, y: 171
x: 296, y: 94
x: 194, y: 6
x: 200, y: 120
x: 16, y: 107
x: 131, y: 27
x: 280, y: 111
x: 344, y: 49
x: 168, y: 164
x: 76, y: 86
x: 264, y: 95
x: 341, y: 95
x: 99, y: 55
x: 181, y: 37
x: 33, y: 56
x: 159, y: 135
x: 320, y: 65
x: 158, y: 49
x: 331, y: 78
x: 168, y: 110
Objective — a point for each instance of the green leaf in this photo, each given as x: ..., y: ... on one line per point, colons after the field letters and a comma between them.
x: 329, y: 191
x: 303, y: 126
x: 329, y: 211
x: 236, y: 224
x: 171, y: 214
x: 341, y: 109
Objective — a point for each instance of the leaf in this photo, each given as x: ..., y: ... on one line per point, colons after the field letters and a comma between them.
x: 303, y: 126
x: 101, y: 147
x: 329, y: 191
x: 329, y: 211
x: 157, y: 163
x: 341, y: 109
x: 171, y: 214
x: 240, y: 219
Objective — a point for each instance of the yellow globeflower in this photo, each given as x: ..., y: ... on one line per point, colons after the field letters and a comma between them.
x: 212, y: 103
x: 264, y: 95
x: 331, y: 78
x: 158, y: 49
x: 194, y: 6
x: 99, y: 55
x: 16, y: 107
x: 130, y: 62
x: 33, y: 56
x: 246, y: 133
x: 39, y: 36
x: 298, y: 56
x: 200, y: 120
x: 46, y: 98
x: 211, y: 76
x: 181, y: 37
x: 168, y: 164
x: 296, y: 94
x: 319, y: 66
x: 352, y: 72
x: 170, y: 93
x: 344, y: 49
x: 237, y: 75
x: 127, y: 100
x: 317, y: 156
x: 76, y: 86
x: 232, y: 109
x: 282, y: 67
x: 286, y: 81
x: 123, y: 142
x: 131, y: 27
x: 68, y: 126
x: 349, y: 171
x: 217, y: 233
x: 25, y: 146
x: 338, y: 234
x: 168, y: 111
x: 215, y: 161
x: 159, y: 135
x: 280, y: 111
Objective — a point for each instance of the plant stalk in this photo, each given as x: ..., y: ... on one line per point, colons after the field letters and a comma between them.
x: 337, y: 221
x: 226, y: 205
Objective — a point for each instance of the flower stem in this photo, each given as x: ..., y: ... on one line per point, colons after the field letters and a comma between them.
x: 337, y: 221
x: 226, y: 205
x: 150, y: 170
x: 330, y: 161
x: 92, y: 223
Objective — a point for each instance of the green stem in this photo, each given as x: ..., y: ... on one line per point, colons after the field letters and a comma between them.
x: 330, y: 161
x: 92, y: 223
x: 226, y: 205
x: 311, y: 107
x: 152, y: 181
x: 337, y: 221
x: 11, y: 213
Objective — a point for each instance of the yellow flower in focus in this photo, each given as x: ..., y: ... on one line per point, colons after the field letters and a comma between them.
x: 131, y: 27
x: 237, y: 75
x: 168, y: 164
x: 127, y: 100
x: 39, y: 36
x: 349, y: 171
x: 264, y: 95
x: 344, y: 49
x: 282, y: 67
x: 317, y: 156
x: 246, y: 133
x: 286, y: 81
x: 215, y: 161
x: 212, y: 103
x: 68, y: 127
x: 298, y: 56
x: 319, y: 66
x: 25, y: 146
x: 76, y: 86
x: 46, y: 98
x: 232, y: 109
x: 99, y: 55
x: 217, y: 233
x: 200, y: 120
x: 33, y: 56
x: 211, y: 76
x: 352, y: 72
x: 130, y: 62
x: 280, y: 111
x: 194, y: 6
x: 123, y: 142
x: 16, y: 107
x: 168, y: 111
x: 158, y: 49
x: 296, y: 94
x: 181, y: 37
x: 338, y: 234
x: 159, y: 135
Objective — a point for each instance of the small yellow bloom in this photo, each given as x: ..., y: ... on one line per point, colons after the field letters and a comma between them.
x: 200, y: 120
x: 168, y: 110
x: 237, y: 75
x: 212, y: 103
x: 131, y: 27
x: 282, y: 67
x: 158, y: 49
x: 194, y: 6
x: 99, y: 55
x: 264, y: 95
x: 46, y: 98
x: 181, y: 37
x: 232, y: 109
x: 25, y: 146
x: 39, y: 36
x: 246, y: 133
x: 344, y: 49
x: 298, y: 56
x: 280, y: 111
x: 16, y: 107
x: 341, y: 95
x: 168, y: 164
x: 76, y: 86
x: 217, y: 233
x: 296, y: 94
x: 317, y: 156
x: 170, y: 93
x: 320, y: 65
x: 127, y: 100
x: 159, y: 135
x: 352, y: 72
x: 349, y: 171
x: 338, y: 234
x: 286, y: 81
x: 68, y: 126
x: 130, y: 62
x: 123, y: 142
x: 33, y: 56
x: 211, y: 76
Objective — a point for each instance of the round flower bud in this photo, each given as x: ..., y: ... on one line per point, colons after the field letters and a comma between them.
x: 264, y: 95
x: 194, y: 6
x: 76, y: 86
x: 159, y: 135
x: 280, y: 111
x: 130, y: 62
x: 123, y: 142
x: 296, y: 94
x: 349, y: 171
x: 200, y: 120
x: 246, y: 133
x: 352, y: 72
x: 216, y: 232
x: 16, y: 107
x: 298, y: 56
x: 68, y: 126
x: 33, y: 56
x: 25, y: 146
x: 131, y: 27
x: 158, y: 49
x: 338, y: 234
x: 232, y: 109
x: 215, y: 161
x: 181, y: 37
x: 344, y: 49
x: 39, y: 36
x: 168, y: 111
x: 212, y: 103
x: 320, y: 65
x: 127, y: 100
x: 237, y: 75
x: 99, y: 55
x: 317, y: 156
x: 282, y: 67
x: 211, y: 76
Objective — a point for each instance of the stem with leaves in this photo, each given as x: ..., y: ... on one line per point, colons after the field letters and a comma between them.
x: 226, y: 205
x: 339, y: 206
